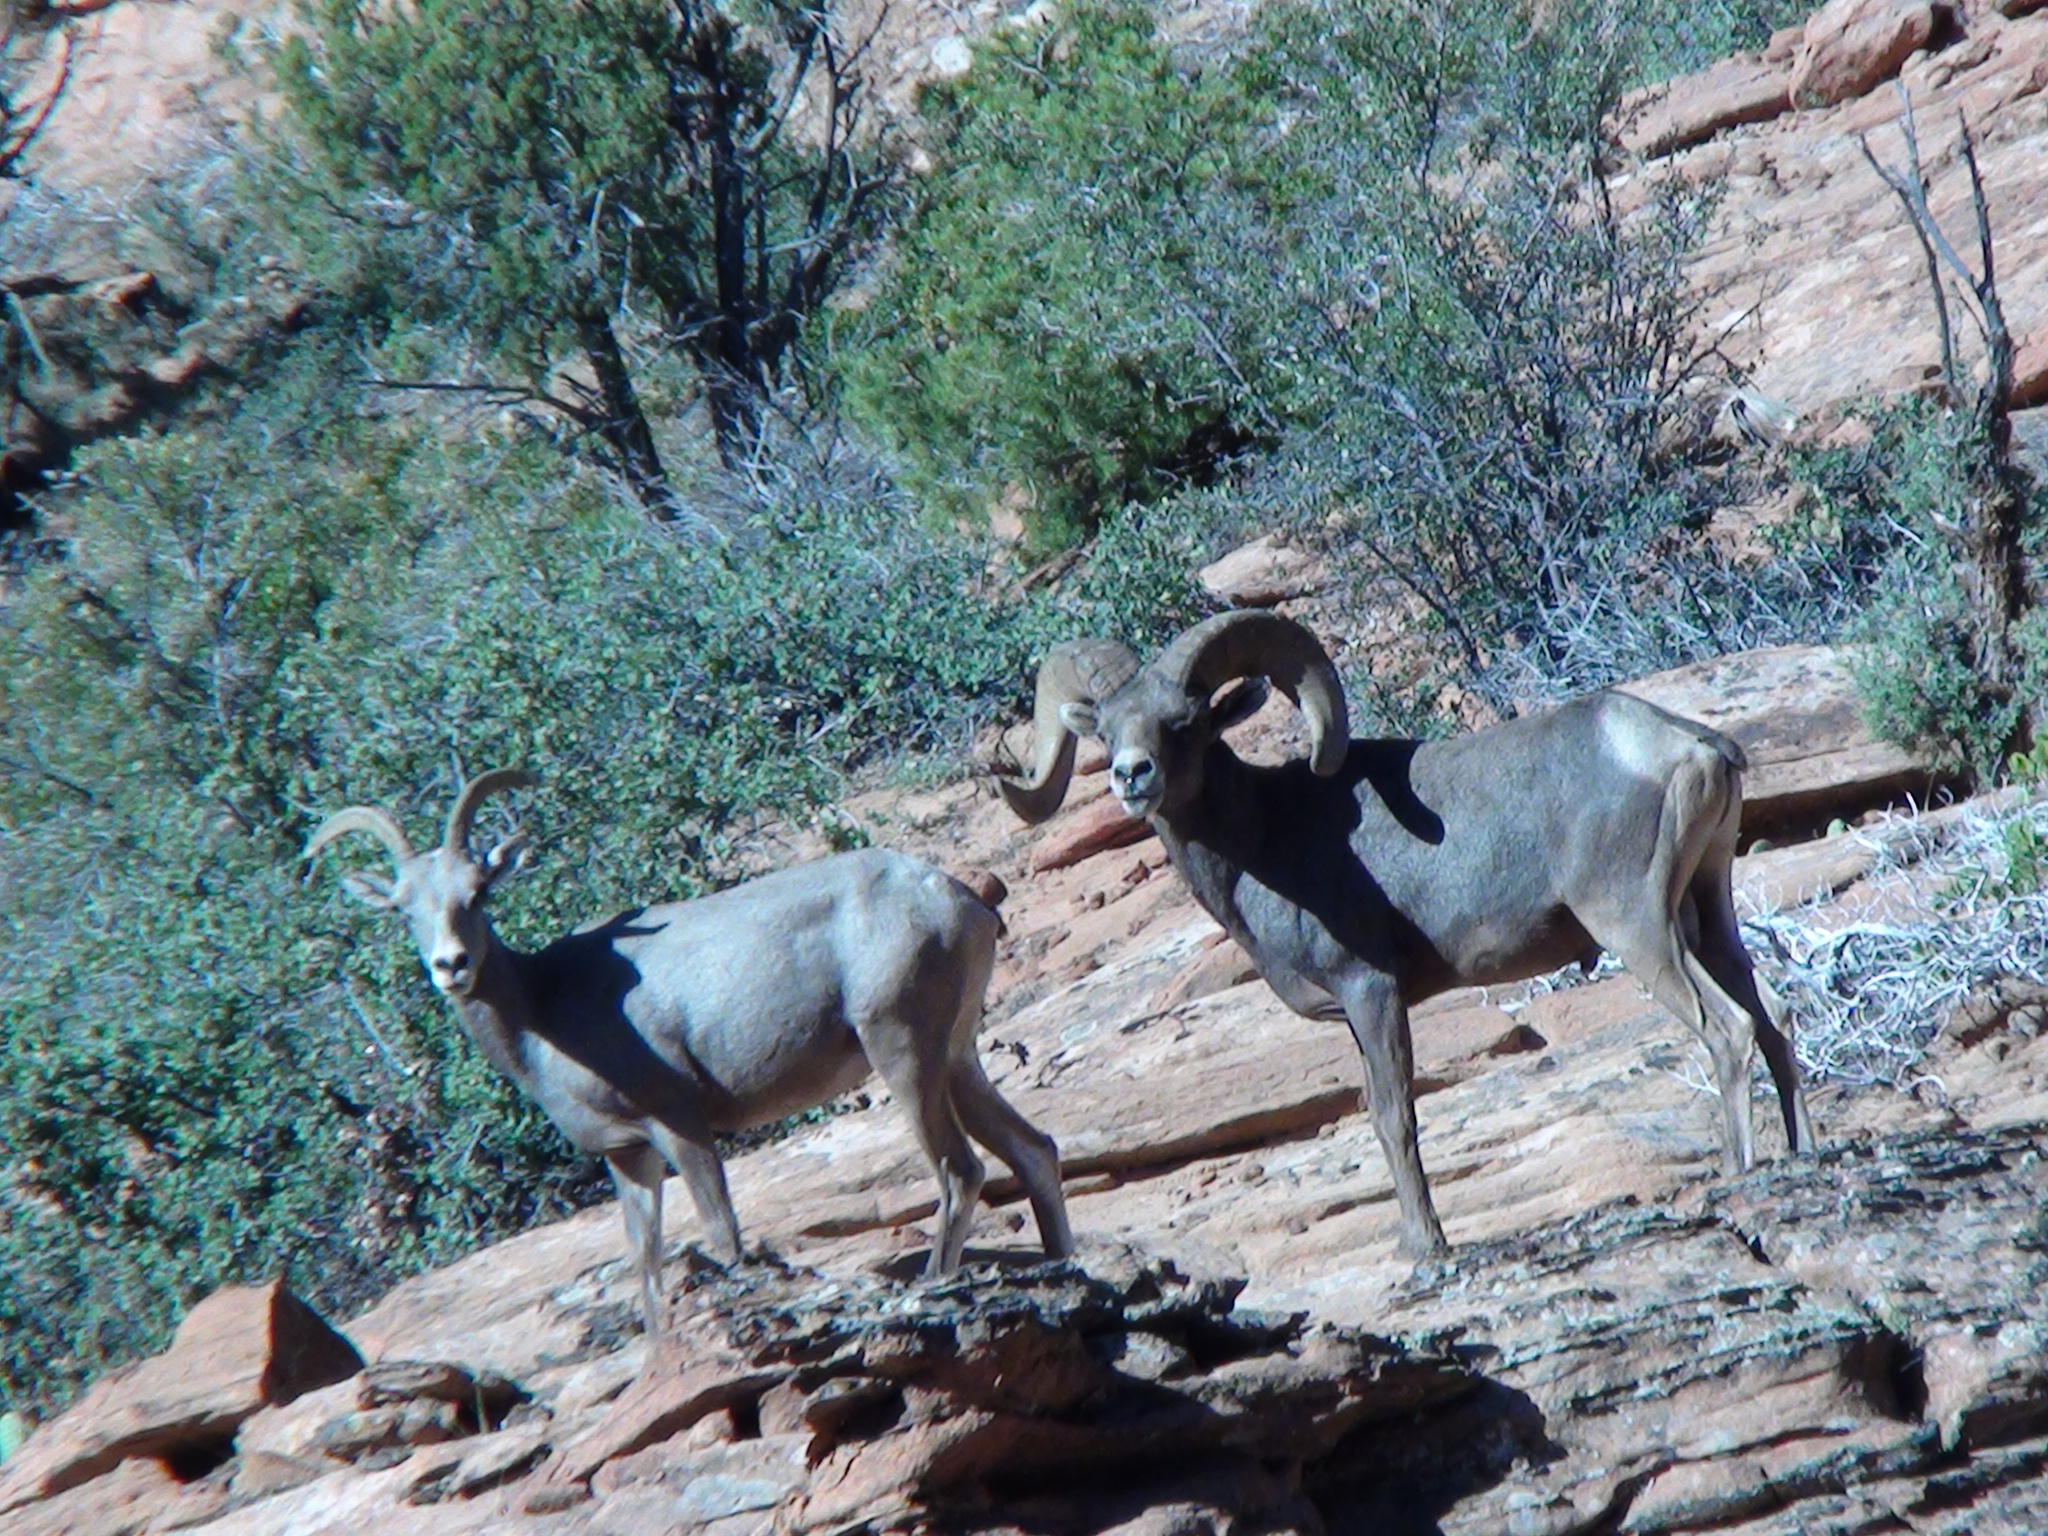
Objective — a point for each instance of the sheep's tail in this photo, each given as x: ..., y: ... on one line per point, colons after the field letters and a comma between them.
x: 985, y: 887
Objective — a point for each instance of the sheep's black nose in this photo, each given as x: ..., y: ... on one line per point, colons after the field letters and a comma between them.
x: 455, y: 962
x: 1134, y: 775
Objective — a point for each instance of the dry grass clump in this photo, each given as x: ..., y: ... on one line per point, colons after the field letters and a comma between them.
x: 1871, y: 997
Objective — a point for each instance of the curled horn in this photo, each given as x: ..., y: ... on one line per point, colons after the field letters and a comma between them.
x: 474, y: 794
x: 1253, y: 644
x: 361, y: 818
x: 1073, y: 672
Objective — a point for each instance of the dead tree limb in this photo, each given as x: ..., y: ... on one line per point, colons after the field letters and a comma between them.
x: 25, y: 110
x: 1991, y: 560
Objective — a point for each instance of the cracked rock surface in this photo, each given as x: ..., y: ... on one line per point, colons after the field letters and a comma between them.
x: 1621, y: 1341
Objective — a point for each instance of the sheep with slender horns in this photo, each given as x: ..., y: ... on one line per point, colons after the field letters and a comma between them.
x: 643, y: 1035
x: 1380, y: 873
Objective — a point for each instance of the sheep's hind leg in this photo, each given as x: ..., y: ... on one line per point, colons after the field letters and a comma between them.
x: 1032, y: 1155
x: 694, y: 1154
x: 1655, y: 952
x: 636, y: 1175
x: 1723, y: 956
x: 918, y: 1077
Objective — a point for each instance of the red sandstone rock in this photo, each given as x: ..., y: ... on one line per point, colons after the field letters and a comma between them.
x: 1794, y: 711
x: 1223, y: 964
x: 466, y: 1468
x: 2030, y: 373
x: 1784, y: 44
x: 988, y: 888
x: 1638, y: 1353
x: 1080, y: 834
x: 686, y: 1378
x: 240, y: 1349
x: 138, y: 1495
x: 1819, y: 287
x: 1853, y: 46
x: 725, y: 1484
x: 1679, y: 113
x: 292, y: 1429
x: 1262, y: 573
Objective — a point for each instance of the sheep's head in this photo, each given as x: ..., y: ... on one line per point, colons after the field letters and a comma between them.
x: 1159, y: 720
x: 439, y: 893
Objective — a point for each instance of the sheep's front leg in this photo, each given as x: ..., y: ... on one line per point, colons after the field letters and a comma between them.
x: 1379, y: 1023
x: 636, y: 1175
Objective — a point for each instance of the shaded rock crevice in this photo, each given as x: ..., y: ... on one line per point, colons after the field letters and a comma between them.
x: 952, y: 1401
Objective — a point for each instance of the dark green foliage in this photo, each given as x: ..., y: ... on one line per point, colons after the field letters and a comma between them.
x: 1498, y: 409
x: 530, y: 134
x: 1045, y: 321
x: 1498, y: 424
x: 1378, y: 241
x: 532, y: 172
x: 205, y: 1078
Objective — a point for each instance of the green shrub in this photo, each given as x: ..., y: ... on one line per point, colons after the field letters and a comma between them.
x: 1368, y: 264
x: 204, y: 1077
x: 1891, y: 506
x: 1045, y: 320
x: 605, y: 180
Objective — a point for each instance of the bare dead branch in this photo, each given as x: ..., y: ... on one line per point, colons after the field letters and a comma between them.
x: 1912, y: 193
x: 21, y: 124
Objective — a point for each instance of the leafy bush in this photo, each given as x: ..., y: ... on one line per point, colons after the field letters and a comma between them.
x: 1893, y: 505
x: 544, y: 168
x: 1047, y: 318
x: 203, y: 1078
x: 1372, y: 262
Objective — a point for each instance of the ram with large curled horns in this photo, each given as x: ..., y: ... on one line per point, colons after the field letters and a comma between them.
x: 644, y: 1035
x: 1379, y: 873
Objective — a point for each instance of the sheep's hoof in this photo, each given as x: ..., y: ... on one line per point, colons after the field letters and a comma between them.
x: 699, y: 1262
x: 1430, y: 1254
x: 764, y: 1256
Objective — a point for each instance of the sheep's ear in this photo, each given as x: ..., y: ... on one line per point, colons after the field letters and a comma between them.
x: 507, y: 858
x: 370, y: 890
x: 1078, y: 718
x: 1241, y: 700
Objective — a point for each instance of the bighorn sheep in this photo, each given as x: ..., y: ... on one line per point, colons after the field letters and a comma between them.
x: 1379, y: 873
x: 642, y: 1035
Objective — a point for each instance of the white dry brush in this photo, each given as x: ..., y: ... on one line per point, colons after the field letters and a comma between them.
x: 1867, y: 1000
x: 1870, y: 998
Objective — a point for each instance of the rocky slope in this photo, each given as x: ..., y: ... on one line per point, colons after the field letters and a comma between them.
x: 1623, y: 1341
x: 1821, y: 287
x: 117, y: 321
